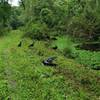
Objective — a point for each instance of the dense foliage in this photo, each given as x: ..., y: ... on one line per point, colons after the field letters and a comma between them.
x: 15, y: 18
x: 5, y: 11
x: 80, y: 18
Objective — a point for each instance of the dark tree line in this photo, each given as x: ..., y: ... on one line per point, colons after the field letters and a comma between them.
x: 78, y: 18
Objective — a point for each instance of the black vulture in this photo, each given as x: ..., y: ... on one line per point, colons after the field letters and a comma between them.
x: 96, y: 68
x: 55, y: 47
x: 49, y: 61
x: 20, y: 44
x: 54, y: 38
x: 31, y: 45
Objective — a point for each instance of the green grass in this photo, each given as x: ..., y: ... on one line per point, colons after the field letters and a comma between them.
x: 24, y: 77
x: 88, y: 58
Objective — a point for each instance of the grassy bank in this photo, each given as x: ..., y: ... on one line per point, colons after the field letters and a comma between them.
x: 24, y: 77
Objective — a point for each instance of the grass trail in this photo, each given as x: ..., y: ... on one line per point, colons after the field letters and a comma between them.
x: 8, y: 41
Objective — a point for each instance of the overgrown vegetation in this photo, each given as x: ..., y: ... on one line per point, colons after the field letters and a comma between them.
x: 39, y: 29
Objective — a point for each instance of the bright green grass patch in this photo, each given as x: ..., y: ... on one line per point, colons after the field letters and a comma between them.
x: 10, y: 39
x: 88, y: 58
x: 63, y: 42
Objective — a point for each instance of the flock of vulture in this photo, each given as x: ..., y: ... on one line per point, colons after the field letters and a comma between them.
x: 50, y: 60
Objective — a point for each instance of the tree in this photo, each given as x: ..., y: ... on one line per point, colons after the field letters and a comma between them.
x: 73, y: 17
x: 5, y: 11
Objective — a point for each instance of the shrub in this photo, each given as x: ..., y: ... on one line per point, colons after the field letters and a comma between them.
x: 4, y: 31
x: 37, y: 31
x: 66, y: 46
x: 47, y: 17
x: 15, y: 23
x: 70, y: 51
x: 85, y: 25
x: 88, y: 58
